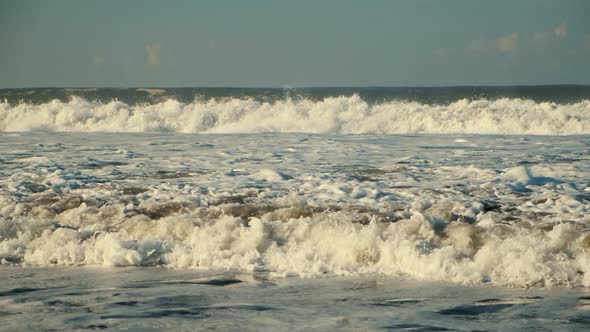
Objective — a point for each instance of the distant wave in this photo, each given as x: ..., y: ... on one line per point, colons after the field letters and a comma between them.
x: 345, y: 114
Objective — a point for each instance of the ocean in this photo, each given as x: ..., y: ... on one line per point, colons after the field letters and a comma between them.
x: 412, y: 209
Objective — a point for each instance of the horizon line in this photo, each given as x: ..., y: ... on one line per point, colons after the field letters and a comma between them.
x: 285, y: 87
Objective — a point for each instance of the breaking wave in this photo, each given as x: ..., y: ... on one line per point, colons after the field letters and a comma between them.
x: 345, y: 114
x: 323, y: 244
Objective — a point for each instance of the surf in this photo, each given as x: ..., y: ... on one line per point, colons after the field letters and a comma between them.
x: 340, y: 114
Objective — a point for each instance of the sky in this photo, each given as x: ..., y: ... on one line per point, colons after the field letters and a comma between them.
x: 263, y: 43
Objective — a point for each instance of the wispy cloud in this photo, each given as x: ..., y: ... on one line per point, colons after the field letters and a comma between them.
x: 153, y: 54
x: 509, y: 43
x: 476, y: 45
x: 560, y: 31
x: 516, y: 41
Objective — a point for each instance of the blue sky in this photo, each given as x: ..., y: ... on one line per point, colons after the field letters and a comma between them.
x: 293, y: 43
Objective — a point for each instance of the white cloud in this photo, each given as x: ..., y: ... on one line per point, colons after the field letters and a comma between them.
x: 543, y: 40
x: 509, y: 43
x: 560, y: 31
x: 516, y: 41
x: 153, y: 54
x: 97, y: 60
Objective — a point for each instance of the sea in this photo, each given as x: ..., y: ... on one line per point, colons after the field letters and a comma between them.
x: 295, y: 209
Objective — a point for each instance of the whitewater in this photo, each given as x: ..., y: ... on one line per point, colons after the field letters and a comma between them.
x: 469, y: 209
x: 338, y: 114
x: 248, y: 212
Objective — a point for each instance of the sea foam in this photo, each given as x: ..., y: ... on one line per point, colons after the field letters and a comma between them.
x: 505, y: 210
x: 345, y: 114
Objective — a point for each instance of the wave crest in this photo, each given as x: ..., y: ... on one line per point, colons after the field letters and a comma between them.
x: 350, y: 115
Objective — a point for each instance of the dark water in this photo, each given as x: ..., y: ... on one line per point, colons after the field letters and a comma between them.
x: 152, y: 299
x: 428, y: 95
